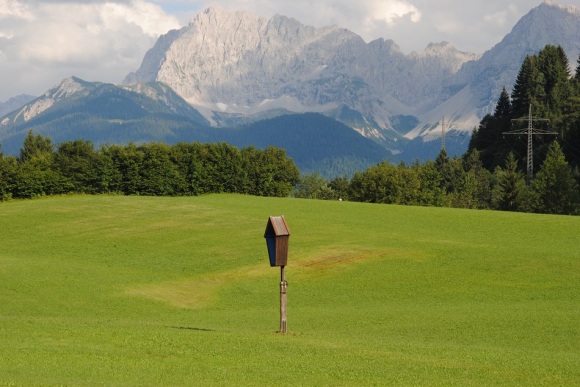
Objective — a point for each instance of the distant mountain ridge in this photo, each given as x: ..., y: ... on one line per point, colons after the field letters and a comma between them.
x: 101, y: 112
x: 236, y: 70
x: 14, y: 103
x: 234, y: 63
x: 152, y: 112
x: 230, y: 64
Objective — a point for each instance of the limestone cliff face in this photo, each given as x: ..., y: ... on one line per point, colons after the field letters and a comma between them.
x: 238, y: 63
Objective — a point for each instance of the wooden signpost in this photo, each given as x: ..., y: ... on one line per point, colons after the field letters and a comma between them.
x: 277, y: 235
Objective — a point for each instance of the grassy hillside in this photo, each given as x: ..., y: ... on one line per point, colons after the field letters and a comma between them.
x: 178, y: 291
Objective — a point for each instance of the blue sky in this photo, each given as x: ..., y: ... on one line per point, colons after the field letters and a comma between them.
x: 43, y: 41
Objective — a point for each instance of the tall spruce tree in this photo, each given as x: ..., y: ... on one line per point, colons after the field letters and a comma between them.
x: 509, y: 186
x: 503, y: 108
x: 553, y: 65
x: 554, y: 184
x: 473, y: 166
x: 570, y: 128
x: 577, y: 74
x: 488, y: 138
x: 525, y: 86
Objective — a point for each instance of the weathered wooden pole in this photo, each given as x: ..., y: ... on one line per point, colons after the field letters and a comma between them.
x: 277, y: 235
x: 283, y: 287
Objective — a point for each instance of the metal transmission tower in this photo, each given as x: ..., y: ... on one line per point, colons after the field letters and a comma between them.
x: 445, y: 127
x: 530, y: 131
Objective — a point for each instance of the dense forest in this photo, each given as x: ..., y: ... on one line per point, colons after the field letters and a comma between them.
x: 544, y: 87
x: 492, y: 174
x: 149, y: 169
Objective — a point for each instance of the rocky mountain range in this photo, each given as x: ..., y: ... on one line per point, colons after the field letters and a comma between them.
x: 234, y: 63
x: 230, y: 69
x: 14, y: 103
x: 229, y: 64
x: 152, y: 112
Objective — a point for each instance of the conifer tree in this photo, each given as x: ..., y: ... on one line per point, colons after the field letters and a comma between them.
x: 503, y: 108
x: 488, y: 138
x: 569, y: 123
x: 528, y: 87
x: 442, y: 159
x: 509, y: 186
x: 522, y: 94
x: 577, y: 74
x: 36, y: 147
x: 473, y: 166
x: 554, y: 184
x: 554, y: 66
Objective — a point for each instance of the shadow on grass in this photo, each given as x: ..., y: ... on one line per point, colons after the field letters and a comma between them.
x: 194, y: 329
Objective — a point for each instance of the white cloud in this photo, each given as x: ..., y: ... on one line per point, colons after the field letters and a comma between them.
x: 390, y: 11
x: 501, y: 17
x: 152, y: 20
x: 82, y: 33
x: 15, y: 9
x: 42, y: 42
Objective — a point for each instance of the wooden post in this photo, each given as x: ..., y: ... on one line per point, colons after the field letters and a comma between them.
x: 283, y: 286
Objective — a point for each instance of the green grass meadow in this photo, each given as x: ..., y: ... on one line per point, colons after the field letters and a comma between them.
x: 134, y: 291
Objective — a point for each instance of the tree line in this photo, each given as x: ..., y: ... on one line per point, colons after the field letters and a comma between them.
x: 196, y: 168
x: 460, y: 182
x: 488, y: 176
x: 76, y: 166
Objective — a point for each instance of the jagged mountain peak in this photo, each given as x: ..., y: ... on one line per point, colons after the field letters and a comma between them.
x: 237, y: 20
x: 66, y: 88
x: 435, y: 48
x: 568, y: 8
x: 216, y: 14
x: 447, y: 56
x: 237, y: 63
x: 441, y: 45
x: 388, y: 45
x: 234, y: 63
x: 549, y: 20
x: 217, y: 20
x: 548, y: 7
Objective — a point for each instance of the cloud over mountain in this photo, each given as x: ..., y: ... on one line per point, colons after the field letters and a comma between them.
x: 41, y: 41
x: 46, y: 40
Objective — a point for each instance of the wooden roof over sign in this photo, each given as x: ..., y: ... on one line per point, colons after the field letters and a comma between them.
x: 278, y: 226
